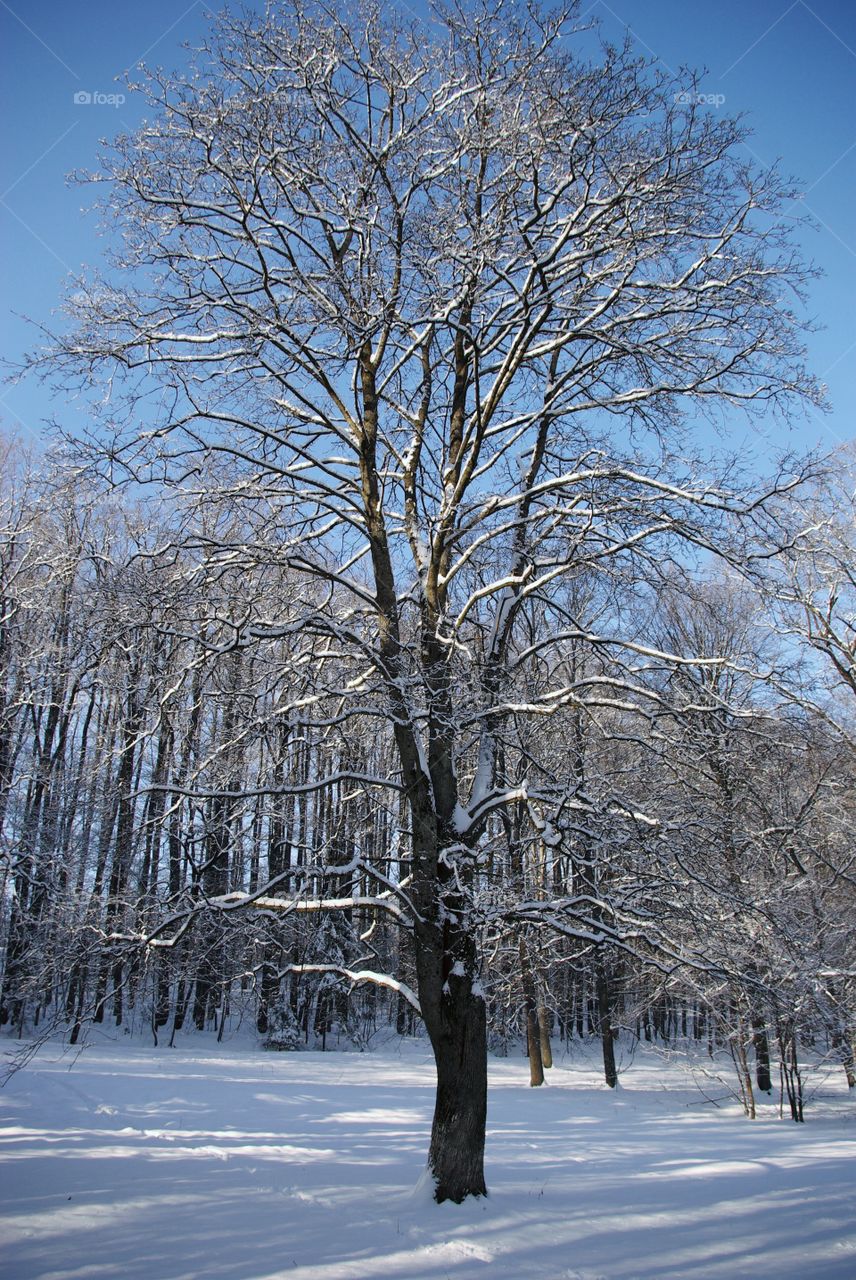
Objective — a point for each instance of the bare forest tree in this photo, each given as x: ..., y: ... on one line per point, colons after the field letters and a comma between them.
x: 435, y: 315
x: 810, y: 596
x: 811, y: 590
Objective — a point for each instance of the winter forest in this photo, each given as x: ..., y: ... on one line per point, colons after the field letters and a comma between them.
x: 412, y: 642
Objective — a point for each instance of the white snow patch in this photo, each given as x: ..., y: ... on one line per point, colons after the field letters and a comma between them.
x: 158, y: 1164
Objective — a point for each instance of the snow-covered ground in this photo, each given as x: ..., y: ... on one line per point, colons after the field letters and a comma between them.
x: 229, y: 1163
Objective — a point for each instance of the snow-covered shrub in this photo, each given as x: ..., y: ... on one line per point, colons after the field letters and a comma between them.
x: 283, y: 1031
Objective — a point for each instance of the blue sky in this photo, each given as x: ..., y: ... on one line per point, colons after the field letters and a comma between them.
x: 790, y: 66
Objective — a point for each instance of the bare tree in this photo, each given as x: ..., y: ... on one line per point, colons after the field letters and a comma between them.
x: 811, y: 592
x: 438, y: 309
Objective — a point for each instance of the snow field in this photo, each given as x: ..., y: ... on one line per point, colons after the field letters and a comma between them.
x: 230, y: 1163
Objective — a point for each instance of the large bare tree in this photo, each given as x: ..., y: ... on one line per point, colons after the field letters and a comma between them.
x: 441, y: 309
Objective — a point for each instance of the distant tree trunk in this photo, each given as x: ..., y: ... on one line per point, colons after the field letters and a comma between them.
x: 219, y: 854
x: 160, y: 999
x: 27, y: 874
x: 181, y: 997
x: 530, y: 1010
x: 268, y: 992
x: 737, y: 1044
x: 401, y: 1019
x: 790, y: 1072
x: 579, y: 1008
x: 842, y: 1043
x: 604, y: 1011
x: 761, y: 1045
x: 544, y: 1029
x: 123, y: 850
x: 848, y: 1059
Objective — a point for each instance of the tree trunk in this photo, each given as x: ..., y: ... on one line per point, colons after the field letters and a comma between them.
x: 454, y: 1012
x: 456, y: 1154
x: 790, y: 1072
x: 533, y: 1035
x: 610, y: 1073
x: 843, y: 1045
x: 445, y: 943
x: 544, y: 1035
x: 737, y: 1045
x: 761, y: 1044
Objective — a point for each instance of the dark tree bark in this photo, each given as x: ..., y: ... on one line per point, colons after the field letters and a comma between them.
x: 530, y: 1013
x: 604, y: 1012
x: 455, y: 1017
x: 761, y: 1043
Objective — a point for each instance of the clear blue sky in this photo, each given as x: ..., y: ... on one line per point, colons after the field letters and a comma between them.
x: 791, y: 66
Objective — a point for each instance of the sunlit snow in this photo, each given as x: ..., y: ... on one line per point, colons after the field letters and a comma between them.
x: 233, y: 1164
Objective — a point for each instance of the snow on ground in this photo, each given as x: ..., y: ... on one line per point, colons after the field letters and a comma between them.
x: 230, y: 1163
